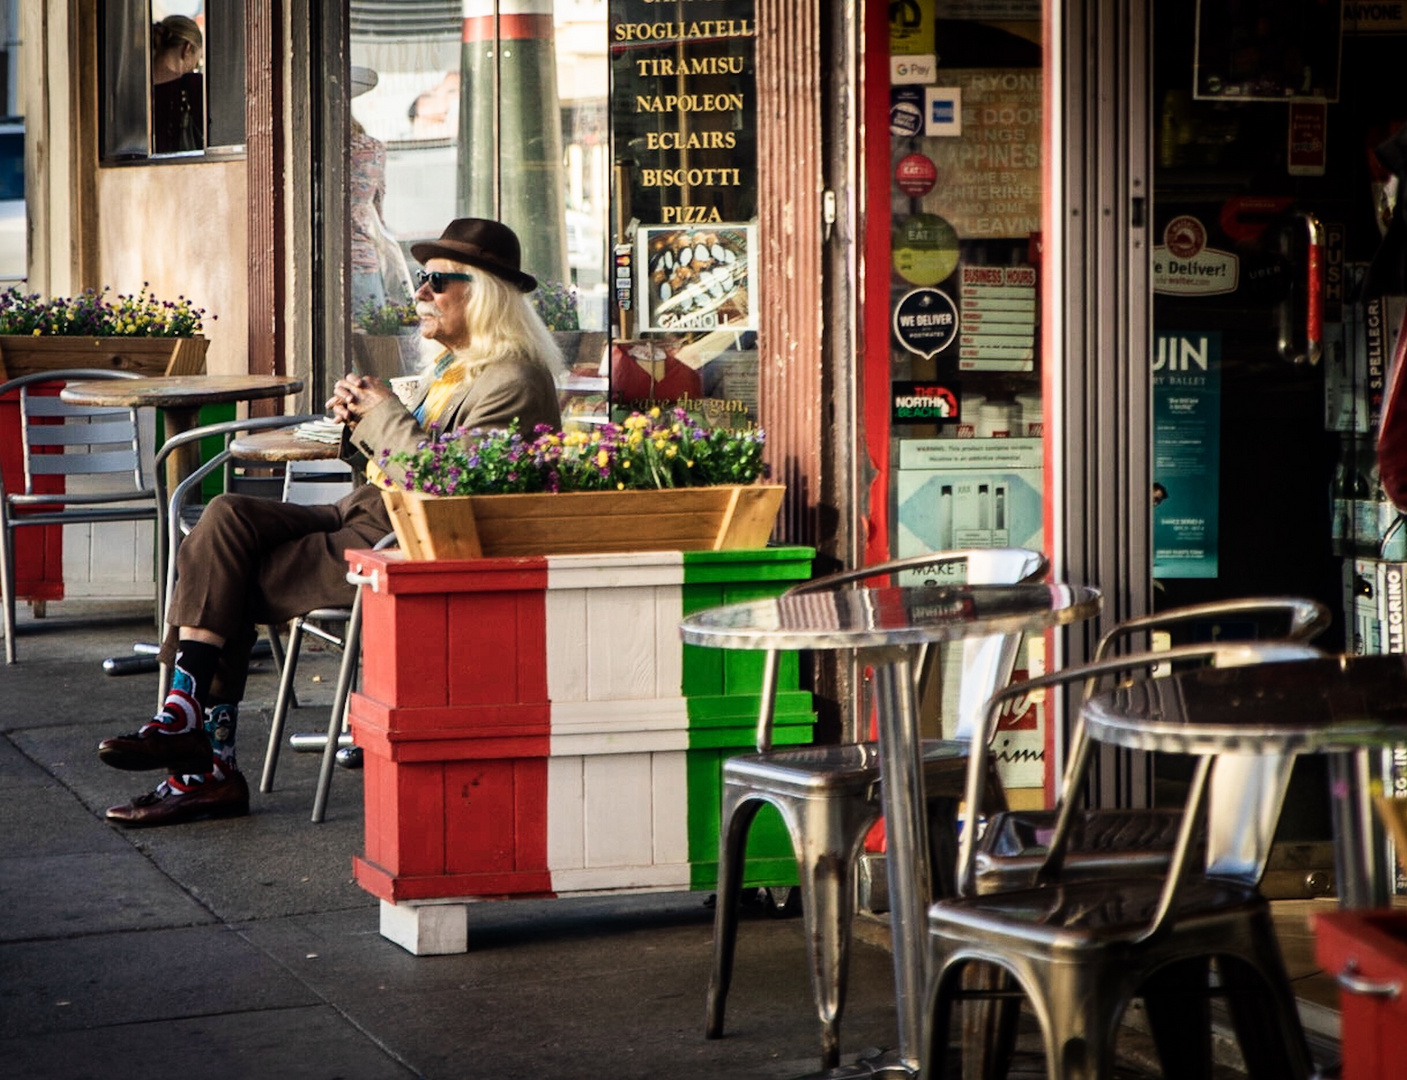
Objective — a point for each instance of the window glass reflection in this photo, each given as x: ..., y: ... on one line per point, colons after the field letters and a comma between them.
x: 485, y: 109
x: 177, y: 77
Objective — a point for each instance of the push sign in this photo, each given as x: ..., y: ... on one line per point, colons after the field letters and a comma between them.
x: 925, y: 321
x: 922, y: 403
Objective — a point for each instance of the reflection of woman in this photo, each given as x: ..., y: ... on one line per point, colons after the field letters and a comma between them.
x: 177, y: 88
x: 379, y: 272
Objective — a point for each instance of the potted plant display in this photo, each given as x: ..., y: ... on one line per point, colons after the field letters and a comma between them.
x: 655, y: 482
x: 96, y: 329
x: 384, y: 341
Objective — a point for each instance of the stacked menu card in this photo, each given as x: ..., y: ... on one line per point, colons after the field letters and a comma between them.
x: 997, y: 312
x: 325, y: 430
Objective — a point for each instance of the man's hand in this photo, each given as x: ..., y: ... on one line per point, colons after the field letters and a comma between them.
x: 356, y: 395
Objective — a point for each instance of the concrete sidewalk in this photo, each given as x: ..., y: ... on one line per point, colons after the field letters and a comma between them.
x: 243, y: 949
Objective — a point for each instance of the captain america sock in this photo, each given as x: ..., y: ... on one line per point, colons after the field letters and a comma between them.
x: 221, y: 721
x: 191, y: 674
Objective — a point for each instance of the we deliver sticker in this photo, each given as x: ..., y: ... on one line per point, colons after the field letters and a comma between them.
x: 1183, y: 265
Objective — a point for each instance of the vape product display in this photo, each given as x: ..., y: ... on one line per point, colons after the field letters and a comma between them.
x: 969, y: 493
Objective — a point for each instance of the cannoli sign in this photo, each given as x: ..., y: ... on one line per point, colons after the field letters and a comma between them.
x: 1183, y: 265
x: 925, y: 322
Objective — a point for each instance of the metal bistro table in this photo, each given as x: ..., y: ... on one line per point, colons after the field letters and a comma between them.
x: 1341, y: 706
x: 884, y: 624
x: 180, y: 398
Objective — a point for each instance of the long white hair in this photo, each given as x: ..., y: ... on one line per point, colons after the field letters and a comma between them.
x: 502, y: 323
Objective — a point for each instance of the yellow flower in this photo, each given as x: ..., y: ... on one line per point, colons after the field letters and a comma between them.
x: 655, y: 413
x: 673, y: 451
x: 602, y: 458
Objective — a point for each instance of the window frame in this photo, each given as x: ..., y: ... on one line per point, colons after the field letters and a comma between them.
x: 124, y: 80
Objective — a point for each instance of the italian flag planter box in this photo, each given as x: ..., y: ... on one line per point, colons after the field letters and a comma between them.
x: 533, y: 726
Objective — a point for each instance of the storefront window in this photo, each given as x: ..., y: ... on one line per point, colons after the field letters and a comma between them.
x: 479, y: 108
x: 173, y: 79
x: 684, y: 224
x: 965, y: 412
x: 617, y: 139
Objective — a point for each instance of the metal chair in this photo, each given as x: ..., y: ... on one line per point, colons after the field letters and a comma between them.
x: 176, y: 515
x: 1081, y: 950
x: 70, y: 441
x: 828, y: 796
x: 304, y: 482
x: 1105, y: 841
x: 349, y: 642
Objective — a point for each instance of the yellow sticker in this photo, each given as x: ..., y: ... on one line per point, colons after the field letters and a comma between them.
x: 925, y: 249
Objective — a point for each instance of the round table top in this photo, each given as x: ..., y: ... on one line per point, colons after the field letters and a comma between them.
x: 1296, y: 706
x: 179, y: 391
x: 848, y: 618
x: 281, y: 444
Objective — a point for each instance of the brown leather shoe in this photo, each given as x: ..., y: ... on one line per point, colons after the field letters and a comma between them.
x: 228, y: 797
x: 188, y: 753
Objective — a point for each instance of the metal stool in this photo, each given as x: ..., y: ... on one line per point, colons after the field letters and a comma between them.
x: 1080, y: 951
x: 828, y: 796
x: 1105, y: 842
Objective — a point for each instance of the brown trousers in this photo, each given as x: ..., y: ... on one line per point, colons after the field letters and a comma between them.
x: 253, y: 561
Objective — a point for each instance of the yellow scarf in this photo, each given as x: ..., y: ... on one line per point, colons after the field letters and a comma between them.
x: 447, y: 378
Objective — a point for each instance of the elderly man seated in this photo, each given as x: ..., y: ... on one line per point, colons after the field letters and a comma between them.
x: 251, y: 560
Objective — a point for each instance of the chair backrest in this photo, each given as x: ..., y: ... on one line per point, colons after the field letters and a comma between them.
x: 1302, y: 619
x: 311, y: 483
x: 1092, y: 675
x: 170, y: 525
x: 59, y: 439
x: 1243, y: 789
x: 986, y: 662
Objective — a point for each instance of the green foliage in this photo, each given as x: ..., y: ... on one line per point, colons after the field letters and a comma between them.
x: 385, y: 320
x: 94, y: 314
x: 556, y: 303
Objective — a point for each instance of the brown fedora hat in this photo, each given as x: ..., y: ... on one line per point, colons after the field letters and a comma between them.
x: 489, y: 245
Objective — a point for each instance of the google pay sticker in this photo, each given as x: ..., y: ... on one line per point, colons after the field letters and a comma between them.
x: 925, y: 249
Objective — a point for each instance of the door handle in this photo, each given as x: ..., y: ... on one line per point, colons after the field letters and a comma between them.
x: 1350, y: 980
x: 1314, y: 300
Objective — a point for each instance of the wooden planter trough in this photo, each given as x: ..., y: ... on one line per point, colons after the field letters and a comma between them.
x: 144, y: 355
x: 722, y: 518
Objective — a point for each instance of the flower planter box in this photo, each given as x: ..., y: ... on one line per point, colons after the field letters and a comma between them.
x: 535, y: 727
x: 143, y: 355
x: 386, y: 356
x: 722, y: 518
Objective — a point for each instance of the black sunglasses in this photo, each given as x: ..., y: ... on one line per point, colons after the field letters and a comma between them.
x: 437, y: 279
